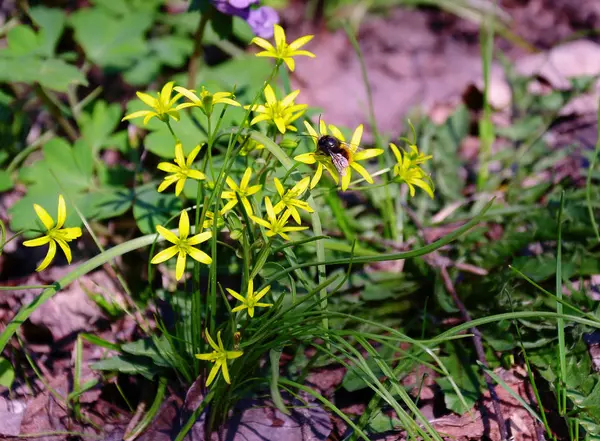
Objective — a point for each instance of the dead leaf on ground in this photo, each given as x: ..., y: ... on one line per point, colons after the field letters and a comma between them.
x: 521, y: 423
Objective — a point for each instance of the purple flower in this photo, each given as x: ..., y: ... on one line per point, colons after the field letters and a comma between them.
x: 261, y: 21
x: 240, y: 8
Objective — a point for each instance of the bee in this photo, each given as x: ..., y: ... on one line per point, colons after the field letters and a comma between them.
x: 339, y: 152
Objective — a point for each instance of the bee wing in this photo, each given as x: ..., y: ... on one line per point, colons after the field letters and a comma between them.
x: 340, y: 163
x: 352, y: 147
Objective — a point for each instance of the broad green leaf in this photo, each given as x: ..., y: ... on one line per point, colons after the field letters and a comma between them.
x: 143, y: 71
x: 5, y: 181
x: 466, y: 377
x: 153, y: 208
x: 98, y: 125
x: 111, y: 41
x: 128, y: 364
x: 148, y: 348
x: 22, y: 41
x: 7, y: 373
x: 172, y: 50
x: 58, y: 75
x: 52, y: 23
x: 70, y: 165
x: 107, y: 202
x: 383, y: 423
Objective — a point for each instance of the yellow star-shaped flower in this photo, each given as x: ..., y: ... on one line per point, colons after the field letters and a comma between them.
x: 252, y: 300
x: 182, y: 246
x: 206, y: 101
x: 407, y: 170
x: 276, y: 225
x: 163, y: 105
x: 282, y: 113
x: 291, y: 199
x: 323, y: 161
x: 181, y: 170
x: 55, y: 233
x: 219, y: 357
x: 283, y: 51
x: 240, y: 193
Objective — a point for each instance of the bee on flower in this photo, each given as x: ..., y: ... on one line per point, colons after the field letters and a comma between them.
x: 334, y: 153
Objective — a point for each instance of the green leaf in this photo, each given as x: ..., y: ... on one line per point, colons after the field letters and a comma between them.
x: 153, y: 208
x: 129, y: 364
x: 98, y: 125
x: 172, y: 50
x: 22, y: 41
x: 5, y: 181
x: 58, y: 75
x: 147, y: 347
x: 466, y: 377
x: 7, y: 373
x: 383, y: 423
x: 143, y: 71
x: 71, y: 166
x: 111, y: 41
x: 52, y: 23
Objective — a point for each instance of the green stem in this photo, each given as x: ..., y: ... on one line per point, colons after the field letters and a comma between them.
x: 20, y: 157
x: 288, y: 164
x: 588, y: 181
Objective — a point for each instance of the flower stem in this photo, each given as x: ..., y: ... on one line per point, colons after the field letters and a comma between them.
x: 195, y: 57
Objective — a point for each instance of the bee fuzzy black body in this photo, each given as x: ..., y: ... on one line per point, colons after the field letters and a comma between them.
x: 336, y: 150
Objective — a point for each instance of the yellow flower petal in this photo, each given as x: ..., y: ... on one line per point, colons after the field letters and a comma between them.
x: 180, y: 265
x: 44, y: 216
x: 147, y: 99
x: 235, y: 295
x: 184, y: 225
x: 306, y: 158
x: 62, y: 212
x: 270, y: 95
x: 213, y: 372
x: 65, y: 248
x: 357, y: 136
x: 317, y: 177
x: 137, y: 114
x: 189, y: 94
x: 279, y: 34
x: 246, y: 179
x: 261, y: 42
x: 49, y: 256
x: 167, y: 234
x: 165, y: 255
x: 37, y: 242
x: 346, y: 180
x: 363, y: 172
x: 290, y: 63
x: 199, y: 238
x: 192, y: 155
x: 179, y: 186
x: 297, y: 44
x: 199, y: 256
x: 367, y: 154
